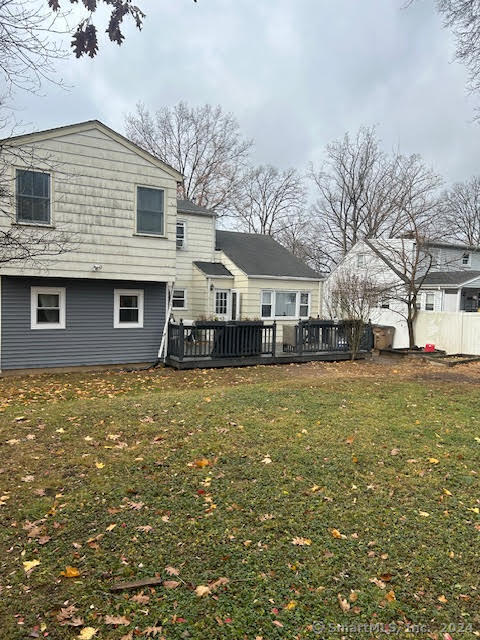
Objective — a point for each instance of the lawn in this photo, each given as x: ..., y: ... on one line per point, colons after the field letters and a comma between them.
x: 263, y: 500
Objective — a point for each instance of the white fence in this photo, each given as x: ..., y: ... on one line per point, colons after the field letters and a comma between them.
x: 455, y: 332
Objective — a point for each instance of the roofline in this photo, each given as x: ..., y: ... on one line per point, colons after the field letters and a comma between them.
x: 209, y: 275
x: 81, y: 126
x: 312, y: 279
x: 450, y: 285
x: 197, y: 213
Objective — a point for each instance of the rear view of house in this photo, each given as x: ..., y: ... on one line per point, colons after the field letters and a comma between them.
x: 112, y: 208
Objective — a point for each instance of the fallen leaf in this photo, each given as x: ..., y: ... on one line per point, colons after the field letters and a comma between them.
x: 380, y: 584
x: 344, y: 604
x: 202, y: 590
x: 172, y: 571
x: 433, y: 461
x: 424, y: 514
x: 267, y: 460
x: 111, y: 527
x: 70, y: 572
x: 28, y: 565
x: 121, y: 620
x: 394, y: 452
x: 390, y: 596
x: 336, y: 534
x: 99, y: 465
x: 301, y: 542
x: 140, y: 598
x: 145, y: 528
x: 442, y: 599
x: 277, y: 623
x: 201, y: 463
x: 87, y: 633
x: 171, y: 584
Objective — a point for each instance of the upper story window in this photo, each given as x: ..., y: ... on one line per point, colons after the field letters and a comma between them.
x: 429, y: 302
x: 181, y: 234
x: 128, y: 308
x: 150, y: 211
x: 47, y: 308
x: 361, y: 260
x: 33, y: 197
x: 466, y: 259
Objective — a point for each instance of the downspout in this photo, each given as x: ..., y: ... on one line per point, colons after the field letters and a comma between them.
x: 0, y: 324
x: 162, y: 351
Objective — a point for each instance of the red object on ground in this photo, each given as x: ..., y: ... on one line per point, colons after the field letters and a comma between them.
x: 429, y: 348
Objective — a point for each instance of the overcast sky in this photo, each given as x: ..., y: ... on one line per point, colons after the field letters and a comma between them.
x: 296, y: 74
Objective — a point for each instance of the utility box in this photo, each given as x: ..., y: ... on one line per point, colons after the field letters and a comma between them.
x: 383, y: 337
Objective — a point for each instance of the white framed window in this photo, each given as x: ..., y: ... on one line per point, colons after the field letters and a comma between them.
x: 466, y: 259
x: 128, y: 308
x: 32, y: 197
x: 150, y: 211
x: 361, y: 260
x: 181, y: 234
x: 179, y: 299
x: 47, y: 307
x: 285, y: 304
x: 384, y: 303
x: 429, y: 301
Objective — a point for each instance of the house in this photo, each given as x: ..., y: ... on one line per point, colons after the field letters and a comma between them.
x: 448, y: 275
x: 238, y: 276
x: 130, y: 251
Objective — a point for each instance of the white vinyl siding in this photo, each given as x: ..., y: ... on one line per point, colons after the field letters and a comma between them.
x: 93, y: 203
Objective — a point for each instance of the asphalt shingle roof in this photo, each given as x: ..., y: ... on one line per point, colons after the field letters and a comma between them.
x: 187, y: 206
x: 261, y: 255
x: 213, y: 269
x: 450, y: 277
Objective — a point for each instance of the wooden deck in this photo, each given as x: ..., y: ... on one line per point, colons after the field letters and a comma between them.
x: 252, y: 361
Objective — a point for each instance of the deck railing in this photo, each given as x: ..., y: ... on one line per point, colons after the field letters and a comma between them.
x: 313, y: 336
x: 221, y: 339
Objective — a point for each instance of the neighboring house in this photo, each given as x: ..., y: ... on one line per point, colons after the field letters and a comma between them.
x: 239, y: 276
x: 452, y: 284
x: 130, y: 245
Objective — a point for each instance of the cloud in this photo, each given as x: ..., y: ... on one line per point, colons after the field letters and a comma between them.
x: 296, y: 75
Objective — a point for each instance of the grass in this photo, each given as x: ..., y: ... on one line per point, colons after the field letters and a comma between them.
x: 387, y: 458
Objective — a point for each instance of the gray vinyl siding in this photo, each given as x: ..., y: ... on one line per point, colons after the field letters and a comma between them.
x: 89, y: 337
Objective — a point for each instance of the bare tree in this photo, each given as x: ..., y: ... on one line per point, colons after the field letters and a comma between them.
x: 299, y: 238
x: 363, y: 193
x: 203, y: 143
x: 461, y: 212
x: 352, y: 297
x: 463, y: 17
x: 270, y: 201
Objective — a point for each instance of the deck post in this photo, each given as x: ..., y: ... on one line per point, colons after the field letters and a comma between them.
x: 274, y: 338
x: 299, y: 337
x: 181, y: 340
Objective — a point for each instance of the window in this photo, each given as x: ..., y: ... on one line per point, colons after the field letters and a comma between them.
x: 128, y: 308
x: 47, y: 308
x: 181, y: 228
x: 304, y: 304
x: 267, y: 304
x: 221, y: 303
x: 33, y: 197
x: 384, y: 303
x: 150, y: 218
x: 466, y: 259
x: 179, y: 299
x: 361, y: 260
x: 429, y: 301
x: 285, y: 304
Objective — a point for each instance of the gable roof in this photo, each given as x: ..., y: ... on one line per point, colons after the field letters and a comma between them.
x: 452, y: 278
x: 187, y: 206
x: 96, y: 124
x: 260, y: 255
x: 213, y: 269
